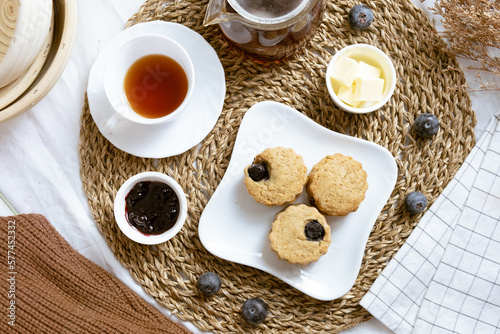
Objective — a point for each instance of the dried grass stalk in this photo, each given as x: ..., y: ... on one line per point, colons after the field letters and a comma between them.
x: 472, y: 28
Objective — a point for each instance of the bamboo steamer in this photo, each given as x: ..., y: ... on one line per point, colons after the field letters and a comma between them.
x: 8, y: 18
x: 32, y: 25
x: 12, y: 91
x: 48, y: 65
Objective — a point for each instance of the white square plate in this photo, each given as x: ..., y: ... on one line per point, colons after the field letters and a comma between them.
x: 234, y: 226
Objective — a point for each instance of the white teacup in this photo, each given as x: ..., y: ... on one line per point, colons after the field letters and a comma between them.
x: 118, y: 66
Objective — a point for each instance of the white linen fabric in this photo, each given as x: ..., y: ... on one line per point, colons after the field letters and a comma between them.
x: 39, y: 164
x: 445, y: 278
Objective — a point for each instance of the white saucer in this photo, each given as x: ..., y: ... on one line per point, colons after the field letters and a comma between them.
x: 191, y: 126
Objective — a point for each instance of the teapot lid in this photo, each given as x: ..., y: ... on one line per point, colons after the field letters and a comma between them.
x: 268, y: 11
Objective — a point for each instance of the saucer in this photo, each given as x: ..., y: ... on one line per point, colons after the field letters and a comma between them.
x: 192, y: 125
x: 234, y: 227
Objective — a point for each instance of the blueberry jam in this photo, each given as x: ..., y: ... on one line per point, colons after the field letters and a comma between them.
x: 152, y: 207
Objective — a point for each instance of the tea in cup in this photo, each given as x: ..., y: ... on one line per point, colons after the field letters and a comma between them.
x: 149, y: 80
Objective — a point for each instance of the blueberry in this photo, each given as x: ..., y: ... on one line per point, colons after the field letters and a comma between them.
x: 360, y: 17
x: 314, y: 231
x: 426, y: 125
x: 312, y: 201
x: 137, y: 218
x: 258, y: 172
x: 137, y: 193
x: 209, y: 283
x: 254, y: 311
x: 415, y: 202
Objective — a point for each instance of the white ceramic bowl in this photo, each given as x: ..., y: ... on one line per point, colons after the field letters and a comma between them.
x: 372, y: 56
x: 120, y: 213
x: 64, y: 34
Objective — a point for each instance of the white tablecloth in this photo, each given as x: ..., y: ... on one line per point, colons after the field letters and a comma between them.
x: 39, y: 164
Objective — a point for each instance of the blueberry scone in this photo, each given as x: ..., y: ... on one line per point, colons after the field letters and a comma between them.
x: 277, y: 176
x: 300, y: 234
x: 337, y: 185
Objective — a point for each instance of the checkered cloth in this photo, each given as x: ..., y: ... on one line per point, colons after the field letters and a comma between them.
x: 446, y: 277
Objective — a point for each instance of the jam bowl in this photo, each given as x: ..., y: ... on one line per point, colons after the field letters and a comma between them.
x: 361, y: 61
x: 150, y: 208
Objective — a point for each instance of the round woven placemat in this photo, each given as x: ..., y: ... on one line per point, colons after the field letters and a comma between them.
x: 429, y: 82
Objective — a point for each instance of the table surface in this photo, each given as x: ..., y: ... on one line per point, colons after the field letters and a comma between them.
x: 39, y: 163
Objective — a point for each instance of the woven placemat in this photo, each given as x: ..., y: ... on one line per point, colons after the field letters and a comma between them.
x: 429, y: 82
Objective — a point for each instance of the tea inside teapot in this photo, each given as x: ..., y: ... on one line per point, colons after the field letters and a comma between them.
x: 268, y: 10
x: 266, y: 29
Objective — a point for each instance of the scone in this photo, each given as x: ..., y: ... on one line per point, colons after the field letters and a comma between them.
x: 276, y: 177
x: 300, y: 234
x: 337, y: 185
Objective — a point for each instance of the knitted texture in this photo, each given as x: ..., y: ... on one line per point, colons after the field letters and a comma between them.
x: 428, y: 81
x: 57, y: 290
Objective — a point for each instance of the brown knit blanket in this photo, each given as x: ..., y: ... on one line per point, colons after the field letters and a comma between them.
x: 48, y: 287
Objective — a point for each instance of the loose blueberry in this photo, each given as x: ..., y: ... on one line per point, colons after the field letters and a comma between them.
x: 415, y: 202
x: 254, y: 311
x: 258, y: 172
x: 426, y: 125
x: 209, y: 283
x: 360, y: 17
x: 314, y: 231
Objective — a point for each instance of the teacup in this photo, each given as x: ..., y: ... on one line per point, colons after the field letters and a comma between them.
x: 129, y: 58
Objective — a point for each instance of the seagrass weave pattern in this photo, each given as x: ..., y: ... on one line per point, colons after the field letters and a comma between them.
x: 427, y: 83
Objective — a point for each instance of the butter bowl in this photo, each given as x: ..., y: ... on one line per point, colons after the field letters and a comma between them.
x: 370, y: 59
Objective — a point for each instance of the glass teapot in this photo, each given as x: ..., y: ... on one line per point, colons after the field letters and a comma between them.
x: 266, y: 29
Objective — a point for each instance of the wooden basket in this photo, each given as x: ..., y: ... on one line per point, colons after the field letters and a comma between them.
x: 62, y: 36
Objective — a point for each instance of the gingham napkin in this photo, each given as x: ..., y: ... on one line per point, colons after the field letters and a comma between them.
x: 446, y: 277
